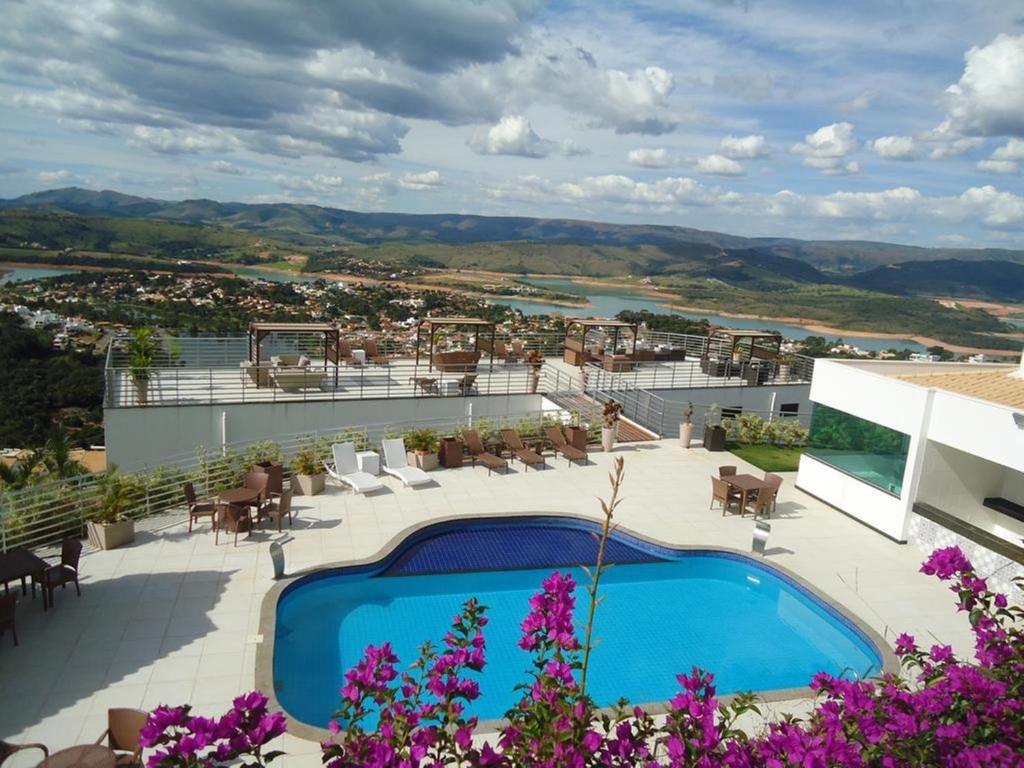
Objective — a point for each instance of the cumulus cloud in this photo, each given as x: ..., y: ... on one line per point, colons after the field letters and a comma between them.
x: 827, y: 149
x: 318, y: 183
x: 947, y: 146
x: 744, y: 147
x: 988, y: 100
x: 57, y: 177
x: 860, y: 102
x: 420, y: 182
x: 651, y: 157
x: 896, y: 147
x: 719, y: 165
x: 513, y: 135
x: 230, y: 169
x: 1005, y: 159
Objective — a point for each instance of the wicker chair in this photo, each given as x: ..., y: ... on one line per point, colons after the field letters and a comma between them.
x: 279, y: 509
x: 724, y: 494
x: 7, y: 749
x: 197, y: 508
x: 66, y: 571
x: 122, y: 735
x: 727, y: 470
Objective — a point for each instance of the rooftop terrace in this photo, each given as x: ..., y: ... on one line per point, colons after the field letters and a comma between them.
x: 174, y: 618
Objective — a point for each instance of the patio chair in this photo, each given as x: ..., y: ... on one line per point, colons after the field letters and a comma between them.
x: 235, y: 520
x: 761, y: 504
x: 122, y: 735
x: 396, y: 462
x: 279, y: 509
x: 346, y: 470
x: 727, y: 470
x: 506, y: 354
x: 466, y: 384
x: 197, y: 508
x: 373, y: 354
x: 477, y: 452
x: 514, y: 442
x: 7, y: 749
x: 775, y: 483
x: 8, y: 603
x: 345, y: 354
x: 426, y: 385
x: 561, y: 445
x: 66, y: 571
x: 258, y: 481
x: 724, y: 494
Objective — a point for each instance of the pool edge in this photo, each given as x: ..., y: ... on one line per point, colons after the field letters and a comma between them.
x: 264, y: 667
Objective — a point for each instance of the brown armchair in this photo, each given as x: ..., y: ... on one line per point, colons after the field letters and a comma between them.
x: 7, y: 749
x: 122, y: 735
x: 66, y: 571
x: 234, y: 520
x: 279, y: 509
x: 724, y: 494
x: 197, y: 508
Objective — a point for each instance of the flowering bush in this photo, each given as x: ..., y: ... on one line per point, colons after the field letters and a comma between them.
x: 181, y: 740
x: 942, y: 712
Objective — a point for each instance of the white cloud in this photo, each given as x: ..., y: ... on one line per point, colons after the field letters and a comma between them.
x: 896, y: 147
x: 513, y: 135
x: 719, y: 165
x: 230, y: 169
x: 651, y: 157
x: 860, y: 102
x: 997, y: 209
x: 827, y: 148
x: 420, y: 182
x: 950, y: 146
x: 57, y: 177
x: 988, y: 100
x: 1005, y: 159
x: 744, y: 148
x: 317, y: 183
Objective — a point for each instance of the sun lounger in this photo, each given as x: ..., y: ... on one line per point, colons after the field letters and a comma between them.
x: 561, y: 445
x: 396, y: 463
x: 477, y: 452
x: 346, y: 470
x: 514, y: 442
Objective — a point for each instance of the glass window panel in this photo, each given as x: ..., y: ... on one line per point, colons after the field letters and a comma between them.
x: 870, y: 452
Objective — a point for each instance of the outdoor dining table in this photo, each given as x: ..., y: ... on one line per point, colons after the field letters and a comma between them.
x: 239, y: 497
x: 22, y: 564
x: 82, y: 756
x: 745, y: 484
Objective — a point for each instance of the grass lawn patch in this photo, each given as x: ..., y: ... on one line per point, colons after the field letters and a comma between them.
x: 770, y: 458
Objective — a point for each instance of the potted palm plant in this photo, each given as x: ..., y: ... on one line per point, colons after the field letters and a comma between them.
x: 307, y: 472
x: 686, y: 427
x: 107, y: 522
x: 422, y: 445
x: 141, y: 351
x: 610, y: 427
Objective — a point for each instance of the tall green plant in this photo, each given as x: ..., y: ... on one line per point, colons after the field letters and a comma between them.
x: 141, y: 354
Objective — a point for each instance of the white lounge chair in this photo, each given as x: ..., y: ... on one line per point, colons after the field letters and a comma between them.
x: 396, y: 463
x: 346, y: 470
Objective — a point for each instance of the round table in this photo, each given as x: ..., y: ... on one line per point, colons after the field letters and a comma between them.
x: 238, y: 496
x: 84, y: 756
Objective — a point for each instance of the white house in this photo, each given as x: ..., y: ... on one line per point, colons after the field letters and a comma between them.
x: 926, y: 452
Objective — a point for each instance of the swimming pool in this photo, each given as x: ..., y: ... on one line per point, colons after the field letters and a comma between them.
x: 665, y: 610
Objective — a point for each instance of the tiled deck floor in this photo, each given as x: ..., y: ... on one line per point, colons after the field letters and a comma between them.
x: 170, y: 619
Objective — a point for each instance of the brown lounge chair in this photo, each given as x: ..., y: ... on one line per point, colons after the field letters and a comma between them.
x: 7, y: 749
x: 514, y: 442
x: 724, y: 494
x: 427, y: 386
x: 122, y: 735
x: 561, y: 445
x: 197, y: 508
x: 7, y: 607
x: 477, y: 452
x: 373, y: 354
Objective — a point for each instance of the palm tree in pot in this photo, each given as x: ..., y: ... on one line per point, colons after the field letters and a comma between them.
x: 141, y: 352
x: 107, y: 520
x: 686, y: 427
x: 610, y: 427
x: 422, y: 445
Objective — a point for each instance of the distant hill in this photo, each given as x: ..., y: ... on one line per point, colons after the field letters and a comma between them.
x: 998, y: 280
x: 316, y: 225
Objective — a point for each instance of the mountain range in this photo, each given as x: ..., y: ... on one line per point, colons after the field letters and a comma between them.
x: 518, y: 244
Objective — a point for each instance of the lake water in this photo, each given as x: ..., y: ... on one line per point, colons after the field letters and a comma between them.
x: 272, y: 276
x: 608, y: 302
x: 21, y: 274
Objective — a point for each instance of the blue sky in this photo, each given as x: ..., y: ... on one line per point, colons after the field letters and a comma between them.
x: 900, y: 121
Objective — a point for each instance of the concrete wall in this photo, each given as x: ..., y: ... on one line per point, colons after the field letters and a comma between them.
x: 957, y: 482
x: 140, y: 437
x: 979, y: 428
x: 886, y: 401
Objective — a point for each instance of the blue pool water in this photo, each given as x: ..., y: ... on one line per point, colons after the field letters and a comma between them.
x: 664, y: 611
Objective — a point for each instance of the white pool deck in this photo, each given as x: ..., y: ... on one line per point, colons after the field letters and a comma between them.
x: 173, y: 618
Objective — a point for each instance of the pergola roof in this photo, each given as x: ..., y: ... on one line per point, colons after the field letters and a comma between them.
x: 454, y: 321
x: 739, y: 333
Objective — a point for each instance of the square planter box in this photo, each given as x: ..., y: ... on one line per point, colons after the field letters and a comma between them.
x: 577, y: 437
x: 308, y: 485
x: 425, y: 461
x: 714, y: 438
x: 111, y: 535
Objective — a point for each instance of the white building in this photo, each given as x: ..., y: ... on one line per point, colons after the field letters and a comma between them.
x: 931, y: 453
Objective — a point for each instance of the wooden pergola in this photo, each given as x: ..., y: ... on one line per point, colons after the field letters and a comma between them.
x: 586, y: 324
x: 735, y: 338
x: 469, y: 322
x: 259, y: 331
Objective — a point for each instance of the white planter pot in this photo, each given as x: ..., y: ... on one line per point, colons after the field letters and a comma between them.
x: 111, y: 535
x: 685, y: 434
x: 425, y: 461
x: 141, y: 391
x: 608, y: 435
x: 308, y: 485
